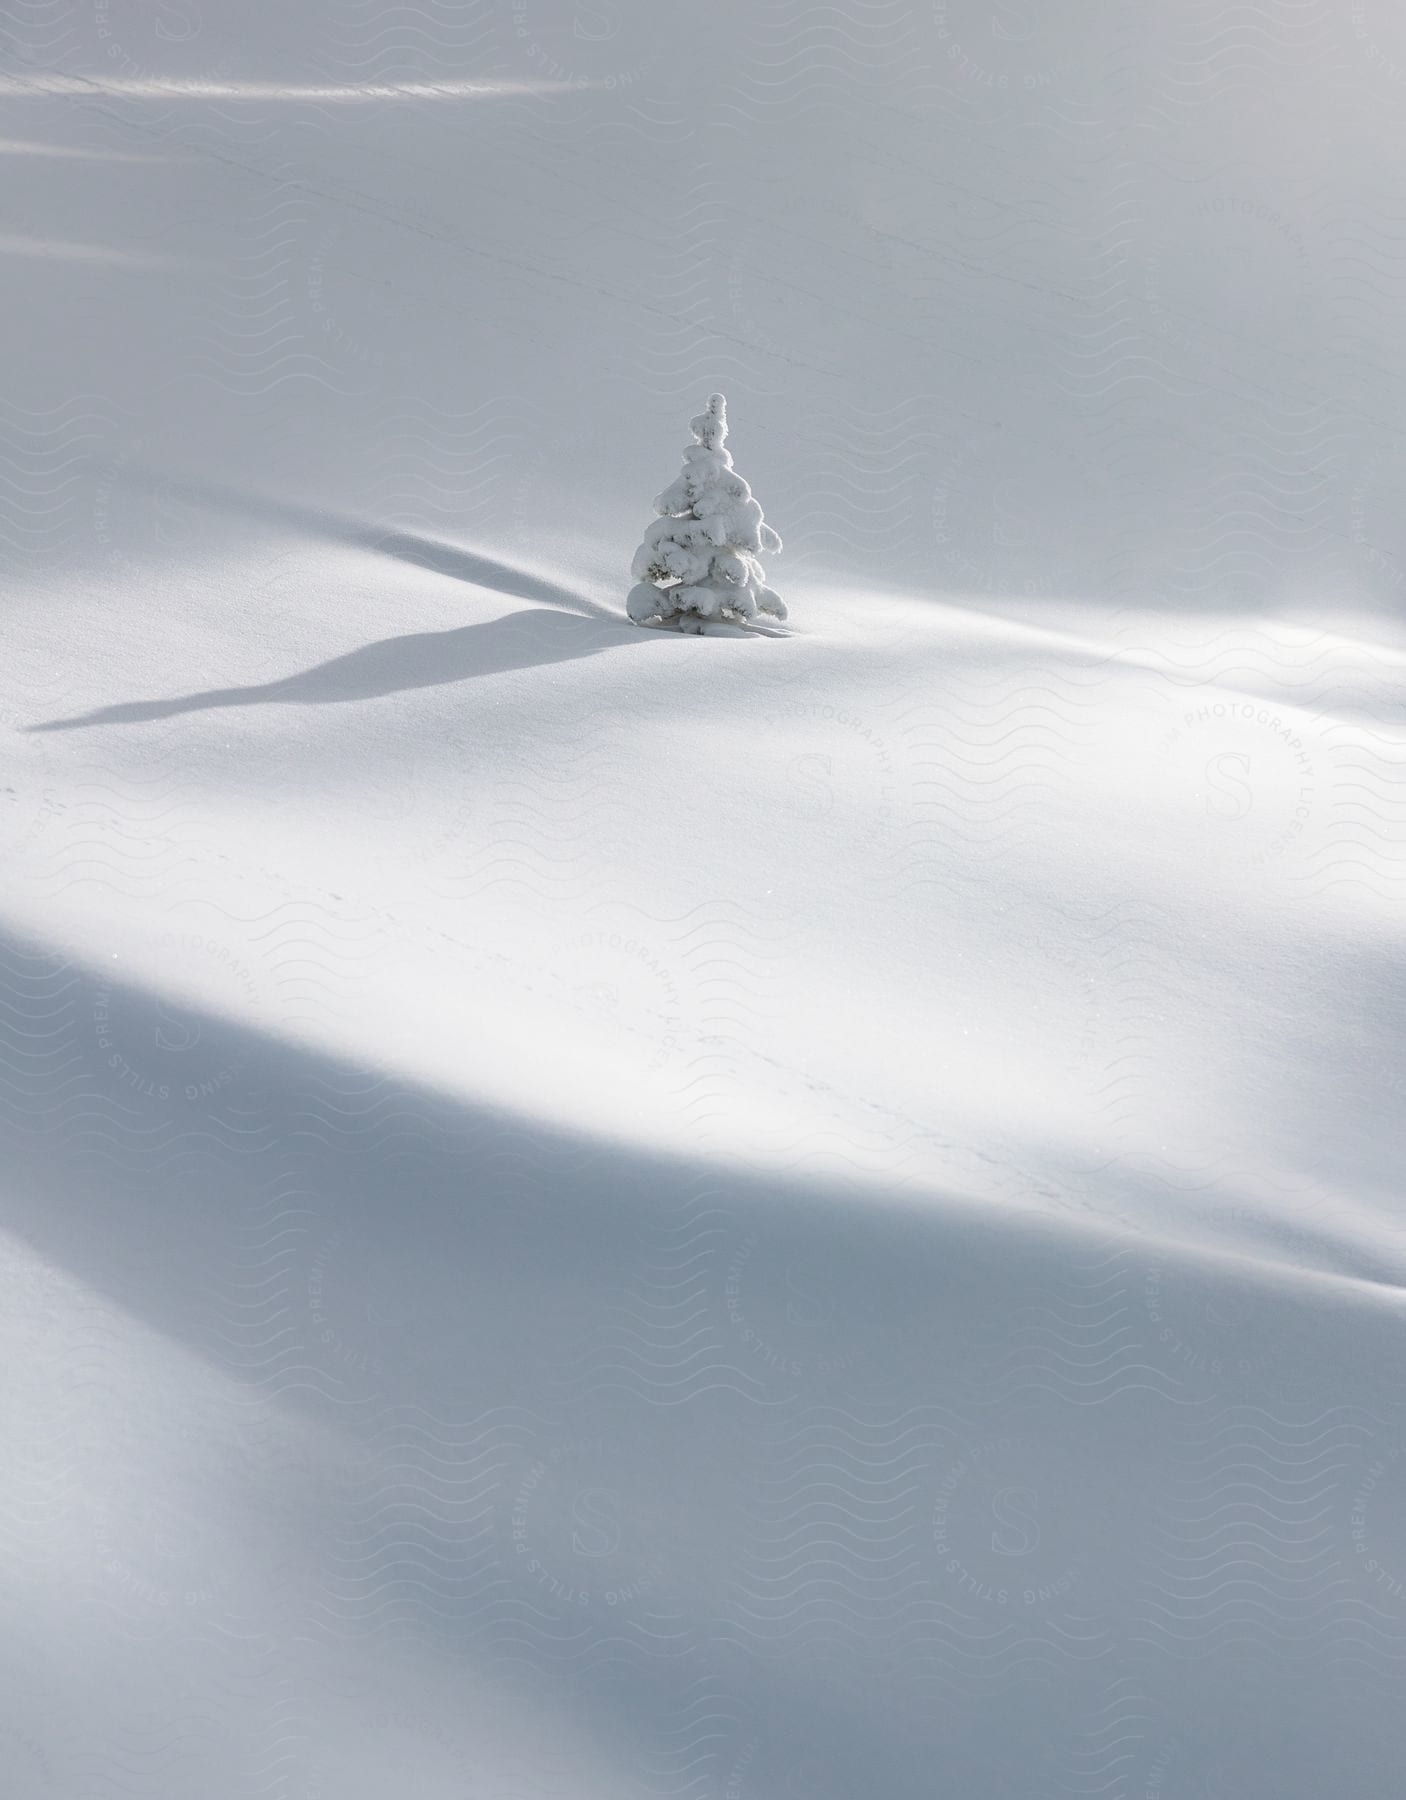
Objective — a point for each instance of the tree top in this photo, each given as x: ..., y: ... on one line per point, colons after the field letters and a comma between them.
x: 710, y: 427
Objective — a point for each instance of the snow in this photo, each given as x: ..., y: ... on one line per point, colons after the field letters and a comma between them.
x: 773, y: 1215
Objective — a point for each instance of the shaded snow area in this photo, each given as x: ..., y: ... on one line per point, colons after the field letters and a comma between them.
x: 803, y: 1209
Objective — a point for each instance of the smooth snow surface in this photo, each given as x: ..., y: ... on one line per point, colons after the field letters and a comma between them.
x: 596, y: 1214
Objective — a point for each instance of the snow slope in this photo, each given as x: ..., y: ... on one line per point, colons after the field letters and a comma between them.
x: 597, y: 1213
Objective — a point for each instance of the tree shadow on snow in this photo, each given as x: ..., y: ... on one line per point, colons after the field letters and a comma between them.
x: 420, y: 659
x: 423, y: 551
x: 521, y: 640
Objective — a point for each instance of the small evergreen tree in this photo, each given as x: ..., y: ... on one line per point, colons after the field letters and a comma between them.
x: 699, y: 559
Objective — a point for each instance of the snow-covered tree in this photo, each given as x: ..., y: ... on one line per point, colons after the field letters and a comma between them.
x: 699, y: 559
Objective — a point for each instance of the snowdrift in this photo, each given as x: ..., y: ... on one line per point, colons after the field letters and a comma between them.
x: 598, y: 1212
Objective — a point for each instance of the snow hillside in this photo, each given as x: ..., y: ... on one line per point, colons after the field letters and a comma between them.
x: 592, y: 1211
